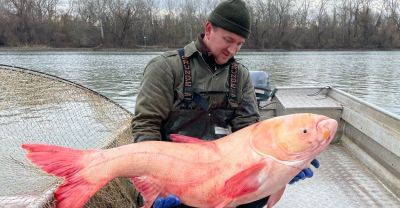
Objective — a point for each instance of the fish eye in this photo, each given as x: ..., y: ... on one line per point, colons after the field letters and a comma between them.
x: 305, y: 131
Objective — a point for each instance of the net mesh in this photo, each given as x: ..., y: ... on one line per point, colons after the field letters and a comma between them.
x: 40, y: 108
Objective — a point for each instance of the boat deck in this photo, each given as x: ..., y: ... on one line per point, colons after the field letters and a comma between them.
x: 341, y: 181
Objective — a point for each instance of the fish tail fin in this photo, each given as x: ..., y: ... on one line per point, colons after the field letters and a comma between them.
x: 68, y: 163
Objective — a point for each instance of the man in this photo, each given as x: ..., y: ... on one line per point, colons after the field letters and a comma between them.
x: 200, y: 90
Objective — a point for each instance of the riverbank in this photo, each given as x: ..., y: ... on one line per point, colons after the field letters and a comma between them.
x: 84, y: 49
x: 162, y: 49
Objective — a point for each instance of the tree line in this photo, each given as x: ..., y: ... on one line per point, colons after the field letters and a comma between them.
x: 276, y: 24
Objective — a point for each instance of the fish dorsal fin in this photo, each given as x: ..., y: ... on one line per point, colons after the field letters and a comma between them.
x: 244, y: 182
x: 193, y: 140
x: 184, y: 139
x: 149, y: 190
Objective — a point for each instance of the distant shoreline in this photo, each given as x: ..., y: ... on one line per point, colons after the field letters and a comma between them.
x: 162, y: 49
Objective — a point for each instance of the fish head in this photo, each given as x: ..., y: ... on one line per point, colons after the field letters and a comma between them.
x: 294, y: 138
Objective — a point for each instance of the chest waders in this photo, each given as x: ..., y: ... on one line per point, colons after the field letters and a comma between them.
x: 196, y: 117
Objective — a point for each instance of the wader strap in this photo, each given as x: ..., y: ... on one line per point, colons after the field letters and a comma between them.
x: 187, y: 82
x: 232, y: 95
x: 187, y: 79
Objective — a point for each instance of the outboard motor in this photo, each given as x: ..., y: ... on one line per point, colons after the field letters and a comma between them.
x: 260, y: 80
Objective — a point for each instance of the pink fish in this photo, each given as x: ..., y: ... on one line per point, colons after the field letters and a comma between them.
x: 250, y: 164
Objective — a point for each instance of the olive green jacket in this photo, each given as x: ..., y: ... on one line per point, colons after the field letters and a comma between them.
x: 161, y: 92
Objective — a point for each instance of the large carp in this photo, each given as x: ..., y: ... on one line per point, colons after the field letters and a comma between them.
x: 250, y: 164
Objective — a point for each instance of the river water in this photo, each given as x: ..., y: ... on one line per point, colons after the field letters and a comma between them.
x: 370, y: 75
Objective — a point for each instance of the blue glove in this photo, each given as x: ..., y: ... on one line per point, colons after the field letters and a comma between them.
x: 305, y: 173
x: 167, y: 202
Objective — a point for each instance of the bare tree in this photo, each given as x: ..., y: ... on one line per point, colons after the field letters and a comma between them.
x: 44, y: 10
x: 172, y: 23
x: 204, y: 8
x: 94, y: 12
x: 302, y: 13
x: 301, y: 21
x: 189, y: 14
x: 393, y: 9
x: 391, y: 31
x: 322, y: 22
x: 283, y: 12
x: 21, y: 13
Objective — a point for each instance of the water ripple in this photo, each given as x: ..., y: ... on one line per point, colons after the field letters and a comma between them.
x: 371, y: 75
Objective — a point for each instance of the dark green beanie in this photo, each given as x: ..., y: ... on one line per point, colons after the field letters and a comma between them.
x: 232, y: 15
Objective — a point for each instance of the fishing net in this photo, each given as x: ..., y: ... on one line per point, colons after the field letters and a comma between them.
x: 40, y: 108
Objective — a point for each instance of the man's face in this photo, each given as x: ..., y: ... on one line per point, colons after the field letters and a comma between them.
x: 222, y: 43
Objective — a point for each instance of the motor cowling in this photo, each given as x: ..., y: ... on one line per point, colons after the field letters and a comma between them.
x: 260, y: 80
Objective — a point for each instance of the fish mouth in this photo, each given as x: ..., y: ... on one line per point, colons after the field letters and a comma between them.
x: 327, y: 128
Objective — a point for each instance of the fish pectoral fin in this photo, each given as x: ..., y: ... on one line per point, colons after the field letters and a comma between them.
x: 184, y: 139
x: 149, y: 190
x: 244, y: 182
x: 275, y: 197
x: 224, y: 203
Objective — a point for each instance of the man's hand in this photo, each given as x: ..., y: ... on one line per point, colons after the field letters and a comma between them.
x: 167, y: 202
x: 305, y: 173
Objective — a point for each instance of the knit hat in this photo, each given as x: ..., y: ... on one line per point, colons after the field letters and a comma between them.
x: 232, y: 15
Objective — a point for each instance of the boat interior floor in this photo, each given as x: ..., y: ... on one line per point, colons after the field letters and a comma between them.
x: 341, y: 181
